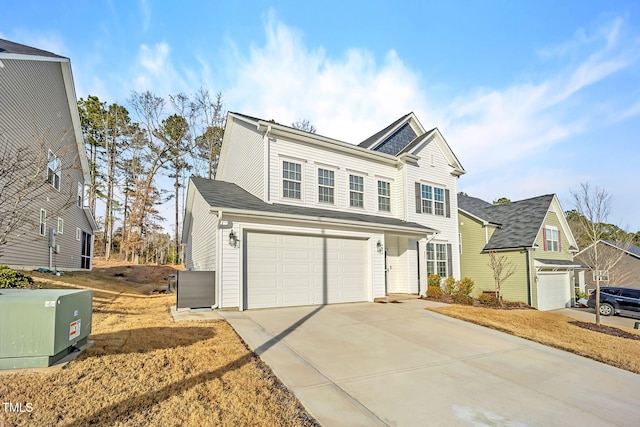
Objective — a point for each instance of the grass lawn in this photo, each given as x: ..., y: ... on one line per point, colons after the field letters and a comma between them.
x: 554, y: 330
x: 144, y: 369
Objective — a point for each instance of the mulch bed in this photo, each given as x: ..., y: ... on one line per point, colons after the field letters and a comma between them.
x: 609, y: 330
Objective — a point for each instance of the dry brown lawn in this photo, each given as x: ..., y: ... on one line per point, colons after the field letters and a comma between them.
x: 554, y: 330
x: 144, y: 369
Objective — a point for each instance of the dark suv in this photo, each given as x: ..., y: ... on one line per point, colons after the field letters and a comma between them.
x: 615, y: 300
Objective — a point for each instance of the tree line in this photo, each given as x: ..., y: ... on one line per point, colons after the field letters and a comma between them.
x: 133, y: 153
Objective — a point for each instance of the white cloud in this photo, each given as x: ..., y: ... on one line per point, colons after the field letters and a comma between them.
x: 347, y: 98
x: 145, y: 12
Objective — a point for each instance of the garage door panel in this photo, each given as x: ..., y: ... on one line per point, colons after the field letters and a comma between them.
x: 553, y: 291
x: 288, y: 270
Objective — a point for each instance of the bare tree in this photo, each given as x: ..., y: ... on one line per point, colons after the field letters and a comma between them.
x: 209, y: 143
x: 29, y: 174
x: 304, y: 125
x: 593, y: 206
x: 502, y: 268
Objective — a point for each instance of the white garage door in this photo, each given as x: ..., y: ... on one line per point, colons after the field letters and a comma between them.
x: 288, y: 270
x: 553, y: 290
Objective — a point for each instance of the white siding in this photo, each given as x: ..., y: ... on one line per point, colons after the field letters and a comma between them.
x: 34, y: 115
x: 203, y: 236
x: 230, y: 279
x: 244, y: 158
x: 439, y: 175
x: 312, y: 157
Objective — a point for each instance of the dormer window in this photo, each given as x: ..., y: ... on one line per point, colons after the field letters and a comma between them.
x: 291, y: 180
x: 551, y: 239
x: 326, y: 184
x: 384, y: 196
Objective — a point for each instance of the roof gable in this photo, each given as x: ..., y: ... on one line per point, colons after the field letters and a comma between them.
x: 633, y: 250
x: 12, y: 49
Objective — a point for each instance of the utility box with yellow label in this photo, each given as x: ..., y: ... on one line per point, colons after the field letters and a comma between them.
x: 38, y: 327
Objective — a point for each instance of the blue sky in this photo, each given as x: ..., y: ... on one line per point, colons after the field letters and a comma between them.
x: 533, y: 97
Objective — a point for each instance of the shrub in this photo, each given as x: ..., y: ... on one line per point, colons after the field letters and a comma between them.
x: 489, y: 300
x: 434, y: 292
x: 465, y: 286
x: 462, y: 299
x: 580, y: 294
x: 14, y: 279
x: 434, y: 280
x: 449, y: 285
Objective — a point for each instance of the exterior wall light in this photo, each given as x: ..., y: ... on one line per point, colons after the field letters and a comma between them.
x: 233, y: 239
x: 379, y: 246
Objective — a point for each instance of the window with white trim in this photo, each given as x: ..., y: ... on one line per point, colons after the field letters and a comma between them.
x: 60, y: 228
x: 437, y: 259
x: 438, y: 201
x: 604, y: 275
x: 326, y: 185
x: 384, y: 196
x: 291, y: 180
x: 356, y: 191
x: 43, y: 222
x: 54, y: 171
x: 80, y: 194
x: 552, y: 241
x: 432, y: 200
x: 78, y: 234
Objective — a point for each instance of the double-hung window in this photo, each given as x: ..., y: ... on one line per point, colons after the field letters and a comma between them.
x: 326, y: 185
x: 356, y: 191
x: 437, y: 259
x: 54, y: 170
x: 384, y: 196
x: 552, y: 239
x: 432, y: 199
x: 60, y: 228
x: 80, y: 195
x: 291, y: 180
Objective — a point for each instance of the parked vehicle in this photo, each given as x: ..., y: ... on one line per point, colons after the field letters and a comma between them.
x: 614, y: 300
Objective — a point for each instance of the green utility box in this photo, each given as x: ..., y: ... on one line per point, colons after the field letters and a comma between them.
x: 40, y: 326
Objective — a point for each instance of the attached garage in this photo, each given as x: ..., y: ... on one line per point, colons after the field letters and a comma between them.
x: 290, y: 270
x: 553, y: 290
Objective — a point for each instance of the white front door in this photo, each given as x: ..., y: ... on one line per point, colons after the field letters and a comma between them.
x: 288, y: 270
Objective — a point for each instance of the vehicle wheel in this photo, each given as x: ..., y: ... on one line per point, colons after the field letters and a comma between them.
x: 606, y: 309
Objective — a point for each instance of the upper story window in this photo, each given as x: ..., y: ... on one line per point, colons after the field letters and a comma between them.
x: 60, y: 228
x: 356, y: 191
x: 43, y: 222
x: 80, y: 194
x: 384, y: 196
x: 291, y: 180
x: 437, y: 259
x: 54, y: 170
x: 326, y: 184
x: 432, y: 199
x: 551, y: 239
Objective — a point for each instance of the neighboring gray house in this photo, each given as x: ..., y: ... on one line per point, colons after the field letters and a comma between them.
x: 40, y: 131
x: 533, y: 235
x: 296, y: 218
x: 626, y: 272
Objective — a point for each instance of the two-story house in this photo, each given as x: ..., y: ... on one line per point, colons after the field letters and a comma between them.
x: 295, y: 218
x: 535, y: 241
x: 44, y: 166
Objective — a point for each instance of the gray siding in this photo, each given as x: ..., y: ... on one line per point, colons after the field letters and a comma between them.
x: 35, y: 118
x: 203, y: 236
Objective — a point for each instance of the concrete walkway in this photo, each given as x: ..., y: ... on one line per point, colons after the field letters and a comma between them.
x: 398, y: 364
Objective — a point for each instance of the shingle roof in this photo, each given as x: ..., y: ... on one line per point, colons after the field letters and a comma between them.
x: 519, y: 222
x: 226, y: 195
x: 7, y: 46
x: 374, y: 138
x: 633, y: 249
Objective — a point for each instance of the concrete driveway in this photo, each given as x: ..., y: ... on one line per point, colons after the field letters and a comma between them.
x: 398, y: 364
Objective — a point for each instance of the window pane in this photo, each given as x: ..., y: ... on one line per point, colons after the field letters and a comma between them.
x: 438, y: 194
x: 427, y: 192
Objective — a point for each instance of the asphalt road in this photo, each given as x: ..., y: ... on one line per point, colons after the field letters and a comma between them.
x: 589, y: 314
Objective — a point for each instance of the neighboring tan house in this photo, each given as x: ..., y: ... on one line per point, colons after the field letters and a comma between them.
x: 40, y: 131
x: 626, y: 272
x: 534, y: 235
x: 295, y: 218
